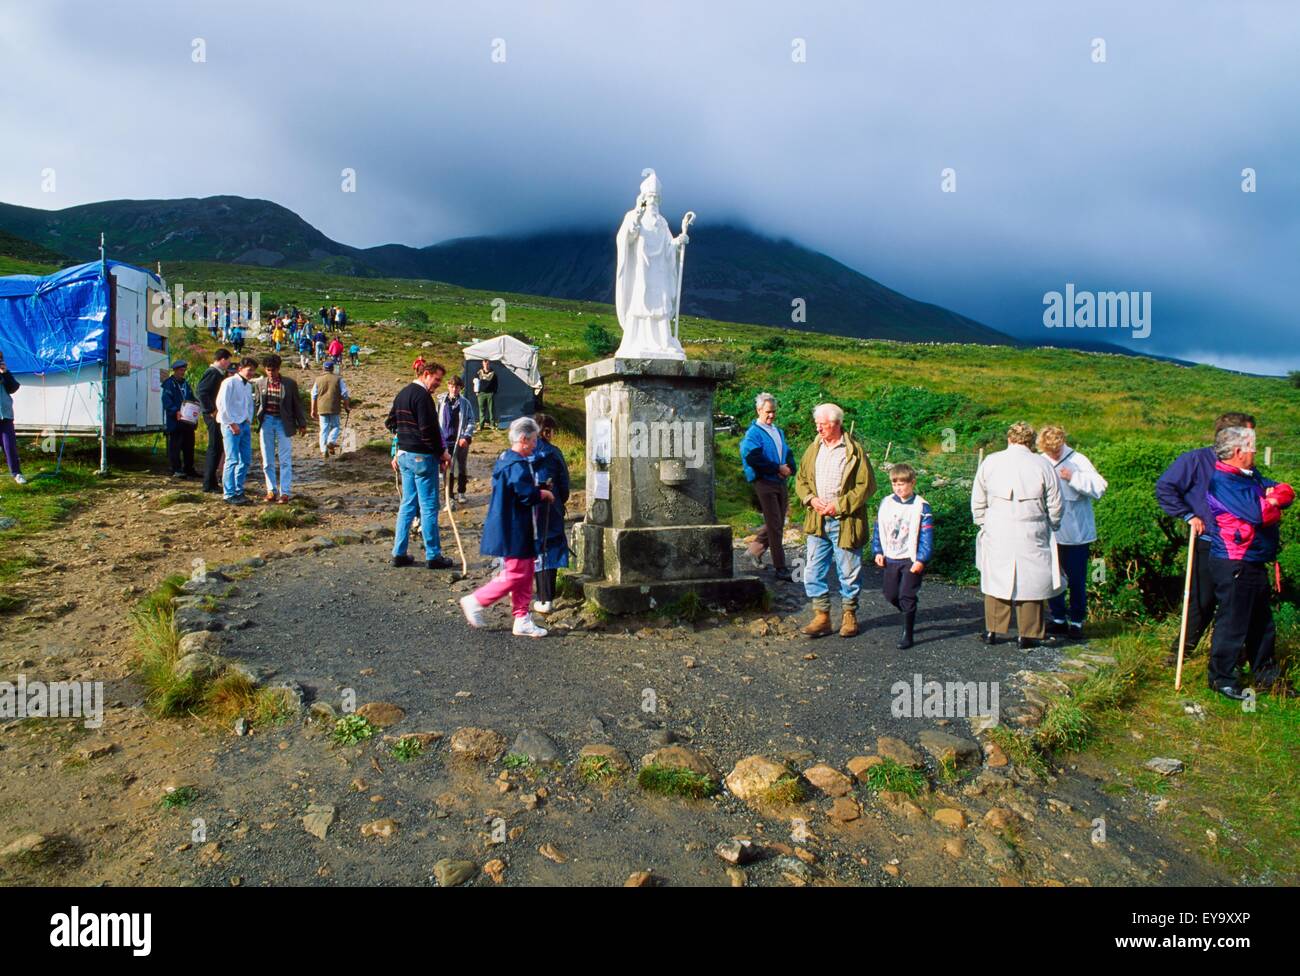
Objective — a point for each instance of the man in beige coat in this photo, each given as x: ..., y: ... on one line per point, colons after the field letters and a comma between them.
x: 1016, y: 502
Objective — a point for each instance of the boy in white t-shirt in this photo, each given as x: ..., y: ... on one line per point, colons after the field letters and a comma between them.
x: 902, y: 543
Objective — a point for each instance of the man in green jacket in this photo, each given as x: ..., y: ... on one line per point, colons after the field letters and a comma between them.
x: 834, y: 481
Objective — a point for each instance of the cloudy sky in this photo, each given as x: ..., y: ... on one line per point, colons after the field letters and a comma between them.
x: 1115, y: 174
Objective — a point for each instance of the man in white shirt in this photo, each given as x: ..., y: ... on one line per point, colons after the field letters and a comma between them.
x: 235, y: 415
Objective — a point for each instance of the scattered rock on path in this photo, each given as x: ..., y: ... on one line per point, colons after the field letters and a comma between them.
x: 1164, y: 766
x: 381, y: 714
x: 450, y: 873
x: 899, y: 751
x: 753, y: 776
x: 614, y: 755
x: 319, y: 818
x: 828, y: 779
x: 679, y: 757
x: 942, y: 744
x: 477, y: 745
x: 537, y: 746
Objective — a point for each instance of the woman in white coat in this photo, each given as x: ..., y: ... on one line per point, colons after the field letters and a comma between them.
x: 1080, y: 484
x: 1016, y: 502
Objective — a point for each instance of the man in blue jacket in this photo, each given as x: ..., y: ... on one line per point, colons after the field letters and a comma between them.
x: 1246, y: 509
x: 768, y: 463
x: 176, y: 391
x: 1181, y: 493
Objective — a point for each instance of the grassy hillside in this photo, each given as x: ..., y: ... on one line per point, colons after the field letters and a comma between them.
x: 736, y: 274
x: 935, y: 405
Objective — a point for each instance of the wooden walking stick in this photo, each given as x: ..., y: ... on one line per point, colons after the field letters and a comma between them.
x: 464, y: 566
x: 1187, y: 597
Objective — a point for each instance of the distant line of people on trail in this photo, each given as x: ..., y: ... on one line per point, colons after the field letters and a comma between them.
x: 287, y: 331
x: 1036, y: 527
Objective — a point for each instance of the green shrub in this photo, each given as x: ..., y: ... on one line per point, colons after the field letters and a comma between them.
x: 600, y: 342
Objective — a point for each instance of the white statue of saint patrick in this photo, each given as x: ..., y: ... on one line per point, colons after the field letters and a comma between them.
x: 647, y: 283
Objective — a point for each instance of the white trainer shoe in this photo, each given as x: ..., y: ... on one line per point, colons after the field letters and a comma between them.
x: 473, y: 611
x: 542, y: 606
x: 524, y: 627
x: 19, y: 479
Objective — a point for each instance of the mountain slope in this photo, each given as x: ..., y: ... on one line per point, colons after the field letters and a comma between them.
x: 732, y: 273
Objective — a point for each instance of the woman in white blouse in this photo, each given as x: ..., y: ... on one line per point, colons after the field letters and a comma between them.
x: 1080, y: 484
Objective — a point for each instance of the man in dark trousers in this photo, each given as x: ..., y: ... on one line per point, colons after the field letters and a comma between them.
x: 456, y: 420
x: 485, y: 390
x: 1181, y: 493
x: 420, y: 459
x: 176, y: 392
x: 209, y: 383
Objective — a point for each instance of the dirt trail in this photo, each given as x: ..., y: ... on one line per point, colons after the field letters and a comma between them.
x: 342, y: 620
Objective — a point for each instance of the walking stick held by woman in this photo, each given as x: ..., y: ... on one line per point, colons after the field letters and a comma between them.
x: 1187, y: 596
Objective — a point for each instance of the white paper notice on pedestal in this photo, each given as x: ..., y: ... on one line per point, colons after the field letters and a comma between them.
x: 600, y: 485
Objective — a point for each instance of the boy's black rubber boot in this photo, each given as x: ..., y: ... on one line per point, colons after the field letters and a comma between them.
x: 909, y: 621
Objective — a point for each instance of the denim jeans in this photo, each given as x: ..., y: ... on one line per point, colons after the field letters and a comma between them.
x: 848, y: 567
x: 275, y: 441
x: 239, y: 455
x: 329, y: 429
x: 419, y: 493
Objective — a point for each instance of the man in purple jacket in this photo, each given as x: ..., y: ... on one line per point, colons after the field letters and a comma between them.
x: 1181, y: 493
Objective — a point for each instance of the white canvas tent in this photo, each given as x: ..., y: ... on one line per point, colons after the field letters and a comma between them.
x: 518, y: 380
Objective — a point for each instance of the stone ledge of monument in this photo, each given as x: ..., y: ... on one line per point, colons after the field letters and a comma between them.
x: 703, y: 369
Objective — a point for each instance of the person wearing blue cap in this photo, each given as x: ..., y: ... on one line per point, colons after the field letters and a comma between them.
x: 176, y: 392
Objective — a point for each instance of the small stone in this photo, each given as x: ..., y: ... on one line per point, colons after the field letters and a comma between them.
x: 994, y: 756
x: 954, y: 847
x: 477, y: 745
x: 899, y: 751
x: 450, y: 872
x: 736, y: 851
x: 638, y: 879
x: 381, y: 714
x: 999, y: 818
x: 950, y: 817
x: 319, y: 818
x: 679, y: 757
x: 529, y: 800
x: 496, y: 870
x: 210, y: 854
x: 890, y: 869
x: 385, y: 828
x: 537, y: 746
x: 942, y: 745
x: 736, y: 876
x: 552, y: 853
x: 900, y: 804
x: 860, y: 765
x: 845, y: 810
x: 688, y: 661
x: 753, y: 776
x: 828, y: 779
x: 241, y: 726
x: 1164, y: 766
x: 198, y: 665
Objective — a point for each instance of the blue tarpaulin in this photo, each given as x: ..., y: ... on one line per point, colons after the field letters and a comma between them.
x: 57, y: 323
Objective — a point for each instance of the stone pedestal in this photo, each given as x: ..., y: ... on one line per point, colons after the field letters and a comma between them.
x: 650, y: 533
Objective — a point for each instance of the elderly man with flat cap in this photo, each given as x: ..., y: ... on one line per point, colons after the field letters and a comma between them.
x: 179, y: 421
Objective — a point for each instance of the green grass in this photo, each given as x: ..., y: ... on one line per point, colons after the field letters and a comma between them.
x: 786, y: 791
x: 282, y: 517
x: 515, y: 760
x: 351, y: 729
x: 407, y: 749
x: 890, y: 775
x: 672, y: 781
x: 181, y: 797
x: 598, y: 770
